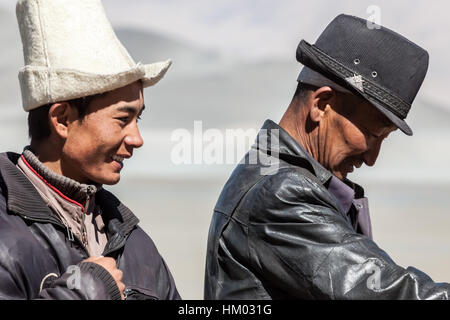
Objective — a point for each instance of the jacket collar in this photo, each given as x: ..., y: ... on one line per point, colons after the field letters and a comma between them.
x: 72, y: 189
x: 289, y: 150
x: 21, y: 196
x: 23, y: 199
x: 278, y: 140
x: 120, y: 220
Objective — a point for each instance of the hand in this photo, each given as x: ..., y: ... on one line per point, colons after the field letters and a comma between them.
x: 110, y: 265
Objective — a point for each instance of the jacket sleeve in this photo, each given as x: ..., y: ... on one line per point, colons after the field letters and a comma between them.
x: 154, y: 272
x: 172, y: 292
x: 304, y: 246
x: 22, y: 266
x: 85, y: 281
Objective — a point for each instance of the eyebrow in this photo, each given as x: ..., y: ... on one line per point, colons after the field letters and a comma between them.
x: 130, y: 109
x: 384, y: 121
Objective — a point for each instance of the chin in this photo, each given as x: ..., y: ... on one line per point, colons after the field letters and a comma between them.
x: 109, y: 180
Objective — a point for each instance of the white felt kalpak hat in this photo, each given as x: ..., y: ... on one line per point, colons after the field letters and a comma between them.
x: 71, y: 51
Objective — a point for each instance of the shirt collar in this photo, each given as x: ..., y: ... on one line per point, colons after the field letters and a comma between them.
x: 342, y: 192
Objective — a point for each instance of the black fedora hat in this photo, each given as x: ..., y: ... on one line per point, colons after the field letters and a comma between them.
x: 374, y: 62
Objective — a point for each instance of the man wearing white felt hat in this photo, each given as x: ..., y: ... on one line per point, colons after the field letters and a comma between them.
x: 62, y: 235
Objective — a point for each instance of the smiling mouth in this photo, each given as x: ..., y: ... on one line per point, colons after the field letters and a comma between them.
x: 118, y: 159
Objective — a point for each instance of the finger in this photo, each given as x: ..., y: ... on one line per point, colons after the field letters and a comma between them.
x: 121, y: 286
x: 109, y: 261
x: 119, y: 274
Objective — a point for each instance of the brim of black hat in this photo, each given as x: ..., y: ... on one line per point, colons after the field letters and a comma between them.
x: 311, y: 57
x: 401, y: 124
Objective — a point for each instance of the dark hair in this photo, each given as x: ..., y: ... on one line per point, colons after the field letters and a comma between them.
x: 38, y: 122
x: 303, y: 90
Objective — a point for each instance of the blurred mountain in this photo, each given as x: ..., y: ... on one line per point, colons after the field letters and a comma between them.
x: 150, y: 46
x: 203, y: 85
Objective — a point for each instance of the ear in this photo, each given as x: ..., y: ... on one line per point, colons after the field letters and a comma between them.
x: 60, y: 115
x: 321, y: 98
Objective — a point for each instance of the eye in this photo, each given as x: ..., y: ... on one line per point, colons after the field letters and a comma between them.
x: 375, y: 136
x: 371, y: 134
x: 380, y: 136
x: 123, y: 119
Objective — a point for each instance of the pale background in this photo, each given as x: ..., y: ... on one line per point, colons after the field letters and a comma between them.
x: 234, y: 66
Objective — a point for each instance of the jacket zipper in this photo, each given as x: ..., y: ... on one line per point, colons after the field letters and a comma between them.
x: 126, y: 292
x: 84, y: 239
x: 129, y: 292
x: 83, y: 226
x: 70, y: 234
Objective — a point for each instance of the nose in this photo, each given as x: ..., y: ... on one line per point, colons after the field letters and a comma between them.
x: 371, y: 155
x: 133, y: 137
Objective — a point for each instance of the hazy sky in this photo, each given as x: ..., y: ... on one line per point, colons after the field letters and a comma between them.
x: 267, y: 28
x: 261, y: 29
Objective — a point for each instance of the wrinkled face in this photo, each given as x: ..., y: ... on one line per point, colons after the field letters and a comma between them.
x: 355, y: 133
x: 97, y: 145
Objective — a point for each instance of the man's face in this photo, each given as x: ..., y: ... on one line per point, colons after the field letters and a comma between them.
x: 97, y: 145
x: 354, y: 135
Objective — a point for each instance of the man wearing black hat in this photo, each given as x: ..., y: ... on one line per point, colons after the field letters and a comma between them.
x: 288, y: 223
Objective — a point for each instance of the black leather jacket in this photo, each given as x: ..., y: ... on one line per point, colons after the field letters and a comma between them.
x: 280, y: 234
x: 36, y: 253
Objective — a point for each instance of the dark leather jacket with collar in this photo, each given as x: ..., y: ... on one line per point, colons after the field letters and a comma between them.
x: 39, y: 261
x: 278, y: 233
